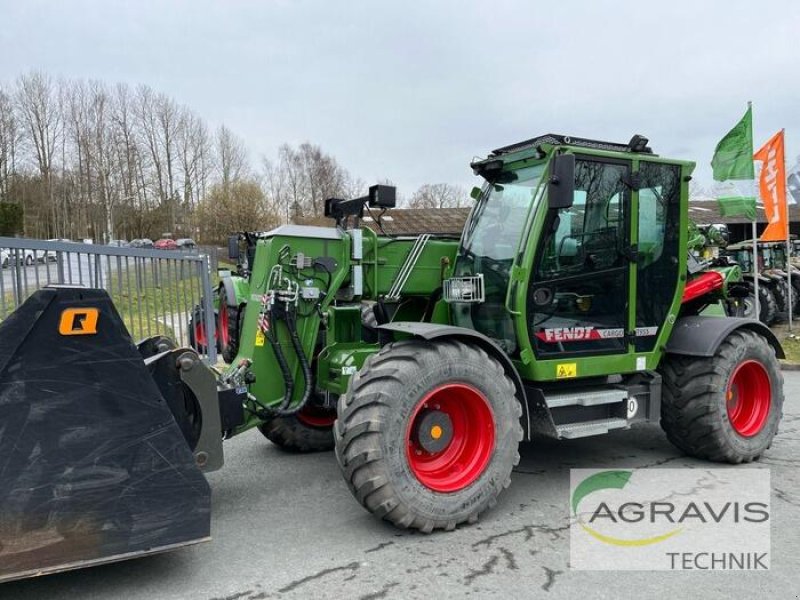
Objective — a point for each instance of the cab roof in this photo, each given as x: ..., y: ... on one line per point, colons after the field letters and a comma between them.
x: 637, y: 144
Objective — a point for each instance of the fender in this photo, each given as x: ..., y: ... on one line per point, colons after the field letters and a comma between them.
x: 762, y: 279
x: 236, y: 289
x: 434, y: 331
x: 701, y: 336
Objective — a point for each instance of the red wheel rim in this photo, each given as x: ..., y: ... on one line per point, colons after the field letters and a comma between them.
x: 199, y: 334
x: 472, y: 437
x: 316, y: 416
x: 748, y: 398
x: 223, y: 333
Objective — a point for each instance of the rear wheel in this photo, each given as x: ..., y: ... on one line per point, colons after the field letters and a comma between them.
x: 767, y: 307
x: 428, y: 433
x: 229, y: 327
x: 795, y: 283
x: 198, y: 339
x: 727, y: 407
x: 780, y: 292
x: 310, y: 430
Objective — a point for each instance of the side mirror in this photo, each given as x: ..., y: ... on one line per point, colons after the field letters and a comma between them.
x: 233, y: 247
x: 561, y: 187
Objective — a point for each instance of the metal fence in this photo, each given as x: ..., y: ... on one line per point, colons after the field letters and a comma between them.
x: 157, y: 292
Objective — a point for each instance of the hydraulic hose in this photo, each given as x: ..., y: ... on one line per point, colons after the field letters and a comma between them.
x: 283, y: 410
x: 288, y: 380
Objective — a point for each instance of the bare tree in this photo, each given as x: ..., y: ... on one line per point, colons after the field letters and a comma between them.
x: 231, y: 156
x: 10, y: 135
x: 301, y: 179
x: 39, y: 105
x: 83, y: 158
x: 439, y: 195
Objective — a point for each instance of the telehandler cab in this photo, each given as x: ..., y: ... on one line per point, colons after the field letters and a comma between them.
x: 565, y: 310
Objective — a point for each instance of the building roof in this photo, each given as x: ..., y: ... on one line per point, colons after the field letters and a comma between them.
x: 414, y: 221
x: 706, y: 212
x: 450, y: 221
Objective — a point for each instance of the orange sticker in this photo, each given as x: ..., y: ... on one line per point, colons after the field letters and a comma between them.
x: 78, y: 321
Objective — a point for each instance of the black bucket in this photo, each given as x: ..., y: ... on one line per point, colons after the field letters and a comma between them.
x: 93, y: 466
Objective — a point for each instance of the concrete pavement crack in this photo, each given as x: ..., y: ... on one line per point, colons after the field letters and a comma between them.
x: 353, y: 566
x: 551, y: 578
x: 233, y: 596
x: 511, y: 560
x: 486, y: 569
x: 528, y: 530
x: 382, y: 593
x: 378, y: 547
x: 786, y: 497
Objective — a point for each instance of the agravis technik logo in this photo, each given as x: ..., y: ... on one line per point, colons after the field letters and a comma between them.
x: 716, y: 519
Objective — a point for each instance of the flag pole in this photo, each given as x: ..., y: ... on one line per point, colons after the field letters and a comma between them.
x: 788, y: 233
x: 757, y: 315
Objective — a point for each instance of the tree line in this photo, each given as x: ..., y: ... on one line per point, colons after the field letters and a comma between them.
x: 86, y: 159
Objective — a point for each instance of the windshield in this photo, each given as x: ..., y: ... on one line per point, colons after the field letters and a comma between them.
x: 490, y: 241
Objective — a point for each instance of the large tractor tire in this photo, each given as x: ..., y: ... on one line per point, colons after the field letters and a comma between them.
x: 795, y: 293
x: 230, y: 321
x: 310, y: 430
x: 780, y: 292
x: 198, y: 339
x: 428, y: 433
x: 767, y: 307
x: 727, y: 407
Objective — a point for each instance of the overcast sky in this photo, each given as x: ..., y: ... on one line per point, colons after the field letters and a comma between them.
x: 411, y: 91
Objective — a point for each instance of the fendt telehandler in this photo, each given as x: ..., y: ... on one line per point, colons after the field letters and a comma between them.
x: 566, y: 309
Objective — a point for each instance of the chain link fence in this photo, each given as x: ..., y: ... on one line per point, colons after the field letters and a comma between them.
x: 157, y: 292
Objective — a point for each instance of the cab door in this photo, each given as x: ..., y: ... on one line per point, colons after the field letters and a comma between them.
x: 578, y: 296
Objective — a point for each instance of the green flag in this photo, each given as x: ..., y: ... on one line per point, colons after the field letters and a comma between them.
x: 733, y: 170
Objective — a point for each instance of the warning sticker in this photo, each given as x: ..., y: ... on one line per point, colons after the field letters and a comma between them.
x: 260, y: 338
x: 566, y: 370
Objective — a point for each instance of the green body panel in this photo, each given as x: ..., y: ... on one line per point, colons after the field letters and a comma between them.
x: 334, y: 355
x: 384, y: 257
x: 241, y: 288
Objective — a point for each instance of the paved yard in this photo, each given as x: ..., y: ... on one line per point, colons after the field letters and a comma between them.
x: 286, y: 527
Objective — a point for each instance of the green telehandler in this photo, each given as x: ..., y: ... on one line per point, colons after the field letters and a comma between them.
x: 566, y: 309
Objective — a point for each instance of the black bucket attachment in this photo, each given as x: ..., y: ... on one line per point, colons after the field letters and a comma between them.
x: 93, y: 466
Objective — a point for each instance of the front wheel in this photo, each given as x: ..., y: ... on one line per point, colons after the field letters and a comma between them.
x: 428, y: 433
x: 727, y: 407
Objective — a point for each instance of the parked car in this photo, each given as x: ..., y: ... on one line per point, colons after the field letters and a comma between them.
x: 119, y: 243
x: 49, y: 255
x: 7, y: 257
x: 166, y: 244
x: 186, y: 243
x: 141, y: 243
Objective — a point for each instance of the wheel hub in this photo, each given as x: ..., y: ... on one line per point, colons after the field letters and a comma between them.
x: 435, y: 431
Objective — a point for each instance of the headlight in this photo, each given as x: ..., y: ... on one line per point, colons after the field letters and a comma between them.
x: 464, y: 289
